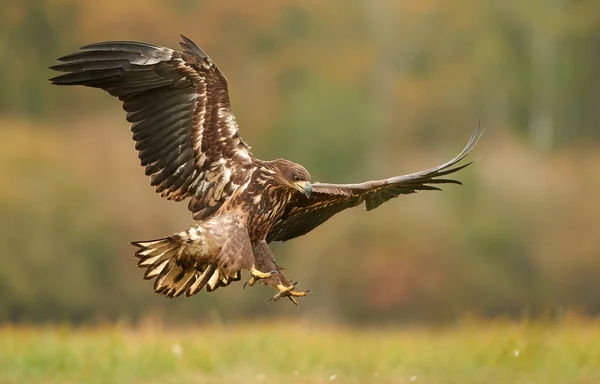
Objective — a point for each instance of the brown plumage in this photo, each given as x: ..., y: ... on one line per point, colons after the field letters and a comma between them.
x: 188, y: 140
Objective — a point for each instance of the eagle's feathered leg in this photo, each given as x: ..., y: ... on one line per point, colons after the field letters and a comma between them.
x: 265, y: 261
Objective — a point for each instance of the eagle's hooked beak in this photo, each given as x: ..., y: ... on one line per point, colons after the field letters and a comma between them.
x: 307, y: 189
x: 304, y: 187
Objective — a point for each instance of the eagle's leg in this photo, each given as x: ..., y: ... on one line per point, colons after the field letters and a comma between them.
x: 266, y: 261
x: 238, y: 252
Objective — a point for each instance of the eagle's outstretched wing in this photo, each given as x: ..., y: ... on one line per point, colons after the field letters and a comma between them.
x: 181, y: 119
x: 303, y: 215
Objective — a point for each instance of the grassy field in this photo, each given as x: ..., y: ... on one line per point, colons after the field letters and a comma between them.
x: 471, y: 352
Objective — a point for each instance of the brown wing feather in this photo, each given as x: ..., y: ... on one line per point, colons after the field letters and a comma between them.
x: 179, y: 110
x: 303, y: 215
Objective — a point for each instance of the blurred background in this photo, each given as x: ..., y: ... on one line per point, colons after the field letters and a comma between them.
x: 353, y: 90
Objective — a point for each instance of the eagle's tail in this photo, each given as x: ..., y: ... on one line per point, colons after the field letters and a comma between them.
x: 177, y: 267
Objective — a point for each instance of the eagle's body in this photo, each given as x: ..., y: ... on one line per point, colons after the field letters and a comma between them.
x: 189, y: 143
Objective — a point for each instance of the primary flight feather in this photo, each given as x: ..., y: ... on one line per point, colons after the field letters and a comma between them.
x: 188, y: 140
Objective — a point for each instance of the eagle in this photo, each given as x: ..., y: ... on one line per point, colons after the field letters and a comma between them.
x: 188, y: 141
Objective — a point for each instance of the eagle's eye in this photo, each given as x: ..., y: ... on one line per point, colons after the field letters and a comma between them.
x: 296, y: 178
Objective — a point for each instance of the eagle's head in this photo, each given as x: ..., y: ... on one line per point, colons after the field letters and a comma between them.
x: 293, y: 176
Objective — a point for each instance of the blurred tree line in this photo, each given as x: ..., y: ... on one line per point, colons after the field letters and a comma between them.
x: 353, y: 90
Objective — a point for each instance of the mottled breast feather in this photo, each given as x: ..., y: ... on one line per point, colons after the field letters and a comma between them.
x: 179, y: 110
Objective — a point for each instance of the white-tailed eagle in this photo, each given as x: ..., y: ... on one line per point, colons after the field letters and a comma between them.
x: 188, y: 141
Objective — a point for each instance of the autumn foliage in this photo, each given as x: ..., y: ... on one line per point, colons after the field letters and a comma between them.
x: 353, y: 90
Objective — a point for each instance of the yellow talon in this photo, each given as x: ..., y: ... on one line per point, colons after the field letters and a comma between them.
x: 256, y: 275
x: 289, y: 293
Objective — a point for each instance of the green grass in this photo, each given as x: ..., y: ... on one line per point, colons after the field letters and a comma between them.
x: 472, y: 352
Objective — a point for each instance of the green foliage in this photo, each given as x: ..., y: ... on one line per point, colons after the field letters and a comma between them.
x: 307, y: 132
x: 33, y: 31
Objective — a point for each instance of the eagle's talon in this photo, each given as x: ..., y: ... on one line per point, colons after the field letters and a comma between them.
x: 289, y: 293
x: 256, y: 275
x: 293, y: 300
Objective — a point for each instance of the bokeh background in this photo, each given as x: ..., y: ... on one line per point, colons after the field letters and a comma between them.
x: 353, y: 90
